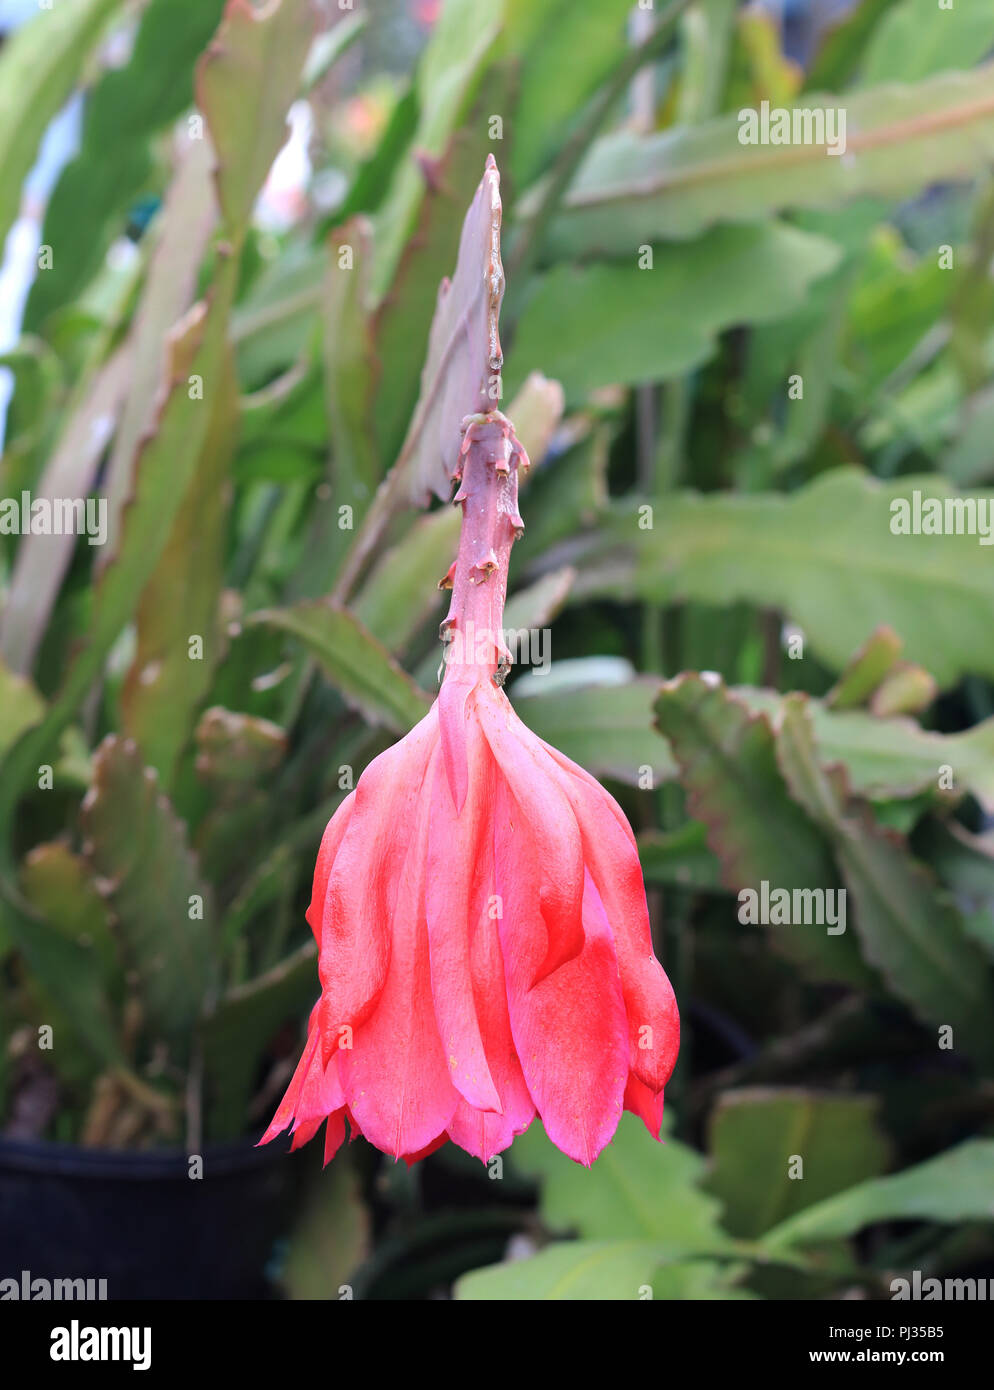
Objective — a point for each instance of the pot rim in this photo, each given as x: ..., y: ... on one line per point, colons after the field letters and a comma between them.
x: 54, y: 1159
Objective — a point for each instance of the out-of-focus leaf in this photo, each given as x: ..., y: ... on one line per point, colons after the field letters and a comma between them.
x: 969, y: 459
x: 402, y: 590
x: 756, y: 1135
x: 350, y: 368
x: 179, y: 622
x: 825, y: 555
x: 535, y: 413
x: 405, y: 314
x: 680, y: 858
x: 536, y: 606
x: 893, y: 758
x: 567, y: 494
x: 349, y: 363
x: 594, y: 1270
x: 447, y: 81
x: 707, y: 31
x: 954, y: 1186
x: 329, y: 46
x: 865, y: 669
x: 649, y: 324
x: 239, y: 1030
x: 166, y: 464
x: 276, y: 320
x: 638, y: 1189
x: 574, y: 1270
x: 188, y: 216
x: 236, y: 749
x: 239, y: 96
x: 608, y: 729
x: 773, y: 75
x: 372, y: 181
x: 553, y: 93
x: 842, y: 44
x: 331, y: 1237
x: 126, y: 108
x: 464, y: 358
x: 69, y: 973
x: 261, y: 52
x: 963, y: 861
x: 40, y: 65
x: 728, y: 767
x: 59, y: 884
x: 37, y: 378
x: 20, y: 707
x: 69, y: 475
x: 965, y: 864
x: 899, y: 139
x: 907, y: 689
x: 907, y: 930
x: 914, y: 41
x: 149, y: 877
x: 353, y: 661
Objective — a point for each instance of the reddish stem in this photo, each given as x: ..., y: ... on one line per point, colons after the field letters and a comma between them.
x: 488, y: 493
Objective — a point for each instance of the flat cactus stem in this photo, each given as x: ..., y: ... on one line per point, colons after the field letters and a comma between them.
x: 461, y: 376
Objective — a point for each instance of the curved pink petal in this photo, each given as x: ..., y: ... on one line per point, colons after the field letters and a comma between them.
x: 305, y: 1133
x: 455, y: 846
x: 452, y: 714
x: 395, y: 1077
x: 334, y: 833
x: 364, y: 882
x: 480, y: 1132
x: 321, y: 1092
x: 570, y: 1030
x: 612, y: 860
x: 543, y: 814
x: 411, y: 1159
x: 309, y: 1060
x: 334, y: 1136
x: 648, y: 1105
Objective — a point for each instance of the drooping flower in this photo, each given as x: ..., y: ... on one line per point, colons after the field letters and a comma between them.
x: 478, y: 905
x: 479, y: 910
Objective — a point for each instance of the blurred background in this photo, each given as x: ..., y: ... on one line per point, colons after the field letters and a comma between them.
x: 727, y: 362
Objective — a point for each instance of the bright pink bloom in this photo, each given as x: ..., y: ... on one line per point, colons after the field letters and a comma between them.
x: 479, y: 910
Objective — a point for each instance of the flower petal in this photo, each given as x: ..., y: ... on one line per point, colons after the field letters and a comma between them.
x: 363, y: 887
x: 570, y: 1030
x: 543, y: 814
x: 334, y: 833
x: 411, y: 1159
x: 334, y: 1136
x: 287, y: 1108
x: 455, y: 844
x: 480, y: 1132
x: 395, y: 1078
x: 612, y: 860
x: 451, y: 706
x: 645, y: 1103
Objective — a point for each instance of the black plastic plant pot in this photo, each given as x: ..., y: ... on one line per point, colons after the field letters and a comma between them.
x: 141, y: 1222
